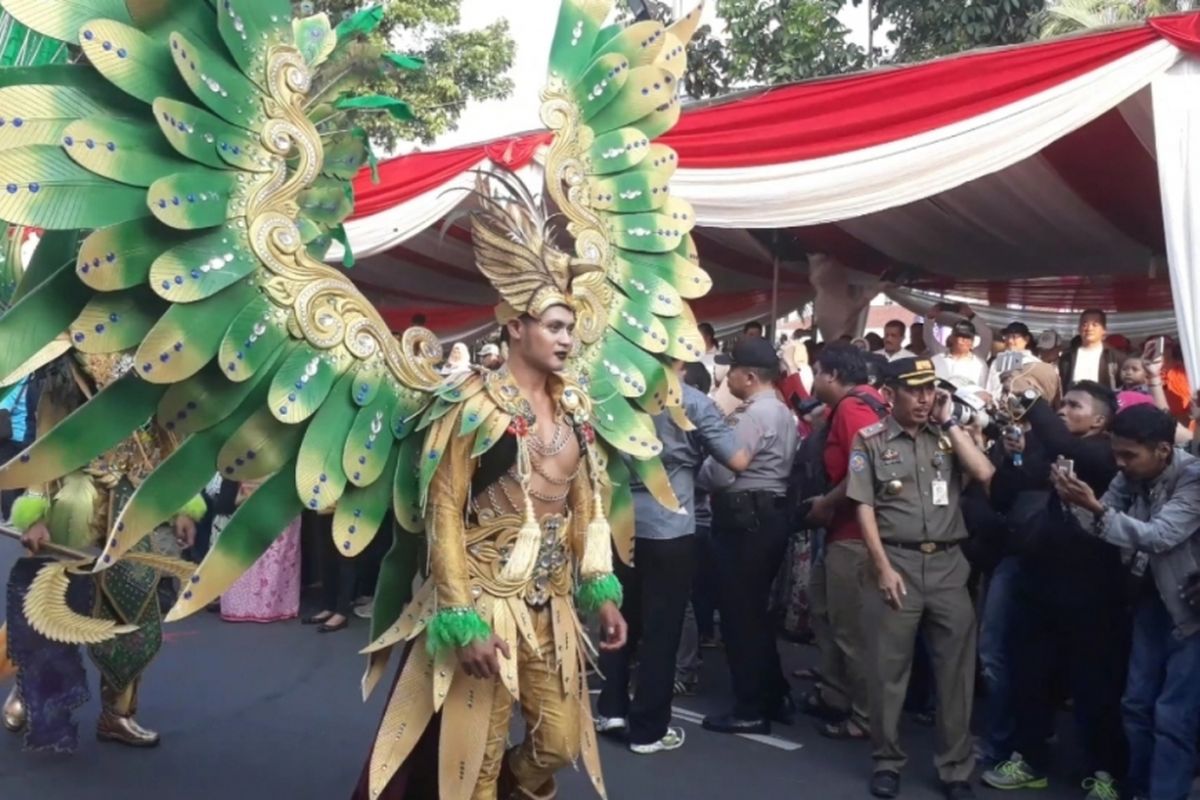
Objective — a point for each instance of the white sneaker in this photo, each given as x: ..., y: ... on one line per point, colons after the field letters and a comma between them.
x: 672, y: 741
x: 610, y: 724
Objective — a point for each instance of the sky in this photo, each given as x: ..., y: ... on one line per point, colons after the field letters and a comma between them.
x: 532, y: 25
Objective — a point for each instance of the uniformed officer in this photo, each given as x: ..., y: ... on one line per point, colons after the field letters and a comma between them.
x: 906, y: 474
x: 750, y: 534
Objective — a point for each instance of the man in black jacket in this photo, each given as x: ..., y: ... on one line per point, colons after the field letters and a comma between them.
x: 1074, y: 609
x: 1091, y: 359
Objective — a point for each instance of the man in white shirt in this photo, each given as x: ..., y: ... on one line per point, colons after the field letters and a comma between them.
x: 1091, y: 360
x: 947, y: 315
x: 893, y: 340
x: 958, y: 360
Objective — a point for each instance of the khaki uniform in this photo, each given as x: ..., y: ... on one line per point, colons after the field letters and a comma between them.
x: 899, y: 476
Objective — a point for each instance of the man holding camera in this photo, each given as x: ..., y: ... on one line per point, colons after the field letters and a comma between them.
x: 906, y: 475
x: 1070, y: 607
x: 1152, y: 512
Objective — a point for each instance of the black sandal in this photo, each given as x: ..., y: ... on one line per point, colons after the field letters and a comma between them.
x: 325, y: 627
x: 316, y: 619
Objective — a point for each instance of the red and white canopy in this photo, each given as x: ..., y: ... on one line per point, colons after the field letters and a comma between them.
x: 996, y: 173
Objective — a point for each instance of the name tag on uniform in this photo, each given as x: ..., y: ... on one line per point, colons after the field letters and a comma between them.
x: 941, y: 493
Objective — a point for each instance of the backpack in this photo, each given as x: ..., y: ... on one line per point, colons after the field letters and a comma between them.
x: 808, y: 477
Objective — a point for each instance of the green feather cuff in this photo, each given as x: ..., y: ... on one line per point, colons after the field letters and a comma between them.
x: 452, y: 628
x: 595, y: 592
x: 195, y: 508
x: 28, y: 510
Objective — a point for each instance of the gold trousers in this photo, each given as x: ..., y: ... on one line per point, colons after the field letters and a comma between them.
x: 552, y: 720
x: 546, y: 676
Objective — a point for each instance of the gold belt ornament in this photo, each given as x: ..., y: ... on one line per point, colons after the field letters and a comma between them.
x: 489, y: 546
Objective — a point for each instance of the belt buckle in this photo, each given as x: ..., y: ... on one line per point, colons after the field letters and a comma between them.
x: 928, y: 548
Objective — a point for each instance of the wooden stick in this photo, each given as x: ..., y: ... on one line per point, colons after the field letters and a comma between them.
x: 50, y: 547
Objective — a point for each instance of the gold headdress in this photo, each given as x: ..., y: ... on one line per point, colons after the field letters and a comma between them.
x: 514, y: 247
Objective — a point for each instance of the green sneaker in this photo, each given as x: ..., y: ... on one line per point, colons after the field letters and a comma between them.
x: 1014, y: 774
x: 1101, y: 787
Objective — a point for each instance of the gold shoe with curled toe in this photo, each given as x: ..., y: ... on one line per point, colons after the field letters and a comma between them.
x: 113, y: 727
x: 14, y: 711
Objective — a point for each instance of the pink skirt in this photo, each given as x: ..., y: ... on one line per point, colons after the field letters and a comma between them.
x: 270, y: 590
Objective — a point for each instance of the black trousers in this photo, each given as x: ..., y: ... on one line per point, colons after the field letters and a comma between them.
x: 338, y: 574
x: 705, y: 586
x: 1082, y: 627
x: 657, y: 590
x: 750, y: 531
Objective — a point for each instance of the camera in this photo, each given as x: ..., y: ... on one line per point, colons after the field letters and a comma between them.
x: 967, y: 404
x: 1014, y: 406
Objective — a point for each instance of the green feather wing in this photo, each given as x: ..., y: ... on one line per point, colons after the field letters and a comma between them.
x: 43, y: 188
x: 622, y: 84
x: 180, y: 478
x: 42, y: 314
x: 180, y: 151
x: 133, y: 61
x: 259, y: 521
x: 93, y: 429
x: 62, y: 19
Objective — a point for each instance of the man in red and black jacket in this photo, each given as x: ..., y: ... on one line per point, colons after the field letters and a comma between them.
x: 840, y: 382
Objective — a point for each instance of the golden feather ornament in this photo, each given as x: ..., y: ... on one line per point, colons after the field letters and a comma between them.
x: 48, y: 613
x: 165, y: 565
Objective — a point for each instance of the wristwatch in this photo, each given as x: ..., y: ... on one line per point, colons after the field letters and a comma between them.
x: 949, y: 425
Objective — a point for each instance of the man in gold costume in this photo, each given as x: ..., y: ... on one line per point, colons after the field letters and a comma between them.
x: 77, y: 512
x: 508, y: 528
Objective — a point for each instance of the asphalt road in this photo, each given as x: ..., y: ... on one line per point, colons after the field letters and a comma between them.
x: 253, y: 711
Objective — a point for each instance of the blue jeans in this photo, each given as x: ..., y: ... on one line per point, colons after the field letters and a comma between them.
x: 1001, y: 613
x: 1161, y: 707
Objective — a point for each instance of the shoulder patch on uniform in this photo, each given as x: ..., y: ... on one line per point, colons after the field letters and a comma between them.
x: 858, y: 461
x: 873, y: 430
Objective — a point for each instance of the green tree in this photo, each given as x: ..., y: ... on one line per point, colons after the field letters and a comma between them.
x: 1069, y: 16
x: 460, y: 66
x: 924, y: 29
x: 764, y: 42
x: 780, y: 41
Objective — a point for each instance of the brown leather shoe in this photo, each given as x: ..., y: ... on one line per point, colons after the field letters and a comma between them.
x: 14, y: 711
x: 112, y: 727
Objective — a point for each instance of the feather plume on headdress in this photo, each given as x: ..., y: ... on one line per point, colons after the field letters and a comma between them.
x: 514, y: 247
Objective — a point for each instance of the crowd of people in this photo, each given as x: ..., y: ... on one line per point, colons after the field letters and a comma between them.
x: 1015, y: 509
x: 1004, y: 516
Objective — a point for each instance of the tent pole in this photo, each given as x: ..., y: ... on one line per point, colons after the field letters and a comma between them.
x: 774, y: 285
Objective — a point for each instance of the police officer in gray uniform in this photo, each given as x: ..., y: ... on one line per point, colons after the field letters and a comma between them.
x: 906, y: 474
x: 750, y: 536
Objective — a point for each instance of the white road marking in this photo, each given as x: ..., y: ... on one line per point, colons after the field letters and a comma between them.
x: 771, y: 741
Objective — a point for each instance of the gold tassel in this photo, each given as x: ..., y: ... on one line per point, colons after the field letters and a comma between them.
x: 528, y: 544
x: 597, y: 544
x: 597, y: 547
